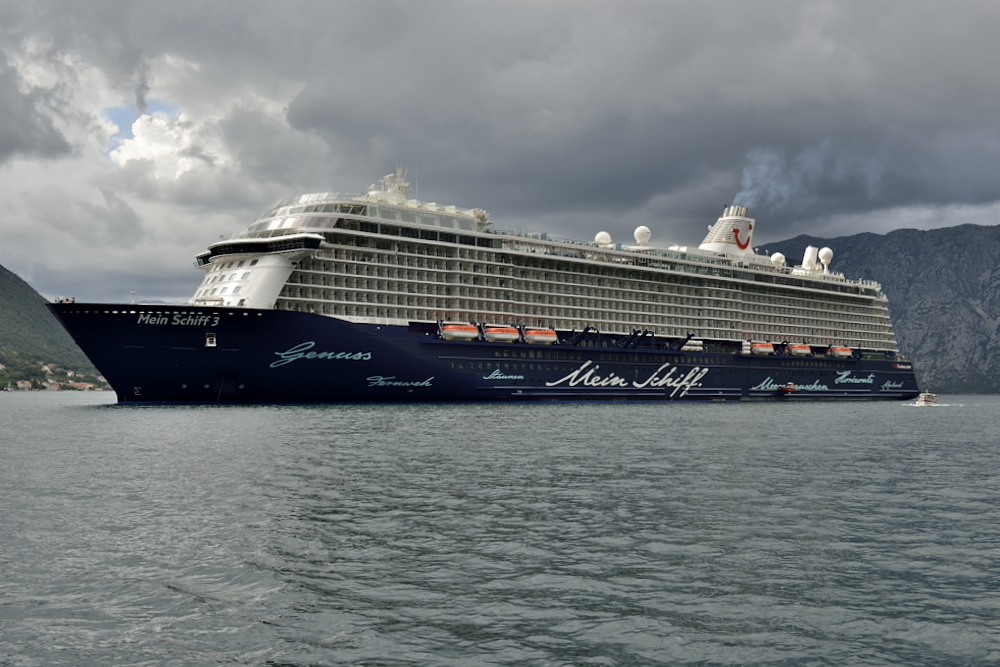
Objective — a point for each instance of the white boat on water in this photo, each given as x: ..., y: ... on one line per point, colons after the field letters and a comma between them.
x: 927, y: 399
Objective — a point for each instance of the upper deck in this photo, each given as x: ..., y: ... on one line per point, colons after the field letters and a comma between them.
x: 381, y: 257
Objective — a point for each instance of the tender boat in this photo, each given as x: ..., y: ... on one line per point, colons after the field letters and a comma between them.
x: 500, y: 333
x: 540, y: 336
x: 799, y: 350
x: 927, y: 399
x: 458, y: 331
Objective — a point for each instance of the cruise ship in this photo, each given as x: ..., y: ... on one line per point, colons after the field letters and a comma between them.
x: 379, y: 297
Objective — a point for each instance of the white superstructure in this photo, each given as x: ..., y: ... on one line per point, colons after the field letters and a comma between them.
x: 384, y: 258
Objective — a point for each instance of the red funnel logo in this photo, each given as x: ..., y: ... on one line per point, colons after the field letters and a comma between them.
x: 743, y: 244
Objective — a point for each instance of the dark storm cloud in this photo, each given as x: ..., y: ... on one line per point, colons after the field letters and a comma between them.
x: 111, y: 220
x: 266, y: 152
x: 97, y: 31
x: 26, y: 125
x: 809, y: 107
x: 580, y: 115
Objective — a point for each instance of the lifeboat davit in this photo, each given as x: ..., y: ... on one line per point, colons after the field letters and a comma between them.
x: 761, y: 348
x: 500, y: 333
x: 799, y: 350
x: 458, y: 331
x: 540, y: 336
x: 841, y: 352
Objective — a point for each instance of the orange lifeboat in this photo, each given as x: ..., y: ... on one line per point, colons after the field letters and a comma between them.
x: 500, y: 333
x: 761, y: 348
x: 799, y: 350
x: 788, y: 389
x: 458, y: 331
x: 840, y: 352
x: 540, y: 336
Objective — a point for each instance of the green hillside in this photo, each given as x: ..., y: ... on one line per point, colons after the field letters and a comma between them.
x: 33, y: 345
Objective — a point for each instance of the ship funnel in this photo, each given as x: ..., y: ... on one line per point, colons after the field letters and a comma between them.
x: 732, y: 232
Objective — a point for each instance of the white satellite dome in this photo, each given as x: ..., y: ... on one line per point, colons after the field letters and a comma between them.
x: 642, y: 235
x: 602, y: 238
x: 778, y: 259
x: 825, y: 256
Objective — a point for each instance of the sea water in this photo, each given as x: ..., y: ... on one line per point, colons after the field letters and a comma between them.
x: 554, y: 534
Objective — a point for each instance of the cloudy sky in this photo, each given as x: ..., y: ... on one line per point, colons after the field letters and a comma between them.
x: 134, y: 133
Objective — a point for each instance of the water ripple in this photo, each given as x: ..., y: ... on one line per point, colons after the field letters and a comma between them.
x: 499, y: 535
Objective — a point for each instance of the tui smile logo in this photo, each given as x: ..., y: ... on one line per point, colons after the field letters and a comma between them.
x: 743, y: 244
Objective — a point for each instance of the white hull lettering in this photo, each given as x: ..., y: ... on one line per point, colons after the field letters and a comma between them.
x: 770, y: 385
x: 767, y: 385
x: 305, y: 351
x: 845, y: 377
x: 816, y: 385
x: 586, y: 375
x: 666, y: 376
x: 391, y: 381
x: 497, y: 375
x: 680, y: 385
x: 178, y: 320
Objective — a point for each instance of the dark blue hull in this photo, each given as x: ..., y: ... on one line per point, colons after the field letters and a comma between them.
x: 183, y: 354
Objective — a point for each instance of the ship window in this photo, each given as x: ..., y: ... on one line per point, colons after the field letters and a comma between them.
x: 254, y: 262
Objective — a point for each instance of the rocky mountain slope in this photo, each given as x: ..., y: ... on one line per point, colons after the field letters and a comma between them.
x: 944, y: 297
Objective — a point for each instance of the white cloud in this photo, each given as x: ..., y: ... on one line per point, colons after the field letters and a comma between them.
x: 173, y: 147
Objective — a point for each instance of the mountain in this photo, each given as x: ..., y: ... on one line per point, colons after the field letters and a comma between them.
x: 944, y: 297
x: 33, y: 345
x: 943, y: 287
